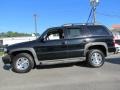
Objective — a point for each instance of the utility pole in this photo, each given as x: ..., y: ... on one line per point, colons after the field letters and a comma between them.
x: 35, y: 21
x: 94, y: 4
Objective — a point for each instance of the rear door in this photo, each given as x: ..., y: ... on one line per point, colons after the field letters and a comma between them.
x: 76, y: 40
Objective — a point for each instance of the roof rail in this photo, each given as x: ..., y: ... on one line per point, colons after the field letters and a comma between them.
x: 74, y: 24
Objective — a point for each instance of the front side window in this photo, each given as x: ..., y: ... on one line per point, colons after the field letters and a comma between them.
x: 54, y: 35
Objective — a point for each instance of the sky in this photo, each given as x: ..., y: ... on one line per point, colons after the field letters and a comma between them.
x: 17, y: 15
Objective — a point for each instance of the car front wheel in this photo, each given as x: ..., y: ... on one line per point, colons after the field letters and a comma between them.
x: 22, y: 63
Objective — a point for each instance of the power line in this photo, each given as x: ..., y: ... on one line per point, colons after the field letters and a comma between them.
x: 89, y: 15
x: 108, y: 15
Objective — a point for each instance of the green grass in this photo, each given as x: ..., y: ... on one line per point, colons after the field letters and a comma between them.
x: 1, y: 53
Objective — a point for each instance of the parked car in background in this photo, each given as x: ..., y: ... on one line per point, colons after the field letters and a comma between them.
x: 117, y: 40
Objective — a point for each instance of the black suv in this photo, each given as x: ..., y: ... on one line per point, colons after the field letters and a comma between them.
x: 64, y: 44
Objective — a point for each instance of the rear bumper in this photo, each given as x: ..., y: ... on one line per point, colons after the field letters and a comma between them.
x: 6, y: 59
x: 111, y: 51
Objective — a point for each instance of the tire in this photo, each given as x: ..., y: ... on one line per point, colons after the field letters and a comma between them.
x: 116, y: 52
x: 95, y: 58
x: 22, y: 63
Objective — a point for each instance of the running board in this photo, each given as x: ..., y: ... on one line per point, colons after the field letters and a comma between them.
x: 62, y: 61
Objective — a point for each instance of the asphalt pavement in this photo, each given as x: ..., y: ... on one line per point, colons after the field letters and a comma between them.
x: 64, y: 77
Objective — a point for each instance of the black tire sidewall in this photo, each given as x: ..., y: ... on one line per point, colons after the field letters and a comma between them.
x: 29, y: 57
x: 90, y: 61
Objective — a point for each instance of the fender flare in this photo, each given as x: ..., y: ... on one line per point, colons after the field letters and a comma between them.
x: 95, y: 44
x: 27, y: 49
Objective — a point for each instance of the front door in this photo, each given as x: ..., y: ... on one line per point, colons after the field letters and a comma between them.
x: 53, y: 46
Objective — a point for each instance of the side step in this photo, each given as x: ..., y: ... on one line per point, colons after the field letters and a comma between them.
x: 62, y: 61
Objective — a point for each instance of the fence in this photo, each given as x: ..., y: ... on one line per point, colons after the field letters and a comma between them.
x: 1, y: 48
x: 14, y: 40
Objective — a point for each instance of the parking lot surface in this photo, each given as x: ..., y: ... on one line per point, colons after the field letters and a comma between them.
x: 64, y: 77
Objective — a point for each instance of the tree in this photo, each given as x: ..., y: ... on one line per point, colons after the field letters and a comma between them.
x: 13, y: 34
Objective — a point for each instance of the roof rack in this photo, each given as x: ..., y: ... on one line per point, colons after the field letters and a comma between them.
x: 74, y: 24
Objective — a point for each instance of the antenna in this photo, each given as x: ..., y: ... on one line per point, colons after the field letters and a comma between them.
x: 94, y: 4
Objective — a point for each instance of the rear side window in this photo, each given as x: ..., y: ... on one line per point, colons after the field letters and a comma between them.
x: 75, y: 32
x: 98, y: 31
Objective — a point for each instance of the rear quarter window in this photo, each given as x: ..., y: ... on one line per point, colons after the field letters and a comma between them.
x: 98, y: 31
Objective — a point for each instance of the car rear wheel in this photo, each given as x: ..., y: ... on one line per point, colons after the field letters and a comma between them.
x: 22, y: 63
x: 95, y: 58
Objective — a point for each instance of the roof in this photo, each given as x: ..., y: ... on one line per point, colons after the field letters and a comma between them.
x: 79, y: 24
x: 75, y: 25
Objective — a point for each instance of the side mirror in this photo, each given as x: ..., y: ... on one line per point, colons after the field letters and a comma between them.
x: 42, y: 39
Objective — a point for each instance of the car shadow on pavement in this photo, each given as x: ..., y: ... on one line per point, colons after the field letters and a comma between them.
x: 81, y: 64
x: 7, y: 67
x: 53, y: 66
x: 113, y: 60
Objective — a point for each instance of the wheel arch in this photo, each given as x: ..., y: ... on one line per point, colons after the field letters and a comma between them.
x: 99, y: 45
x: 30, y: 51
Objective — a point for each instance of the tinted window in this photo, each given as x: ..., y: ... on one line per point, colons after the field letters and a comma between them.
x: 98, y: 31
x: 75, y: 33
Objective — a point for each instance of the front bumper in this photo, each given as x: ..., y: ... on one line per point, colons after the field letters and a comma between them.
x: 6, y: 59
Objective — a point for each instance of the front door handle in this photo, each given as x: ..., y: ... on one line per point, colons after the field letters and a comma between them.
x: 64, y: 42
x: 84, y: 41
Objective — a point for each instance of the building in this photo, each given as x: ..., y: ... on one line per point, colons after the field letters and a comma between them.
x: 116, y: 31
x: 116, y: 26
x: 14, y: 40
